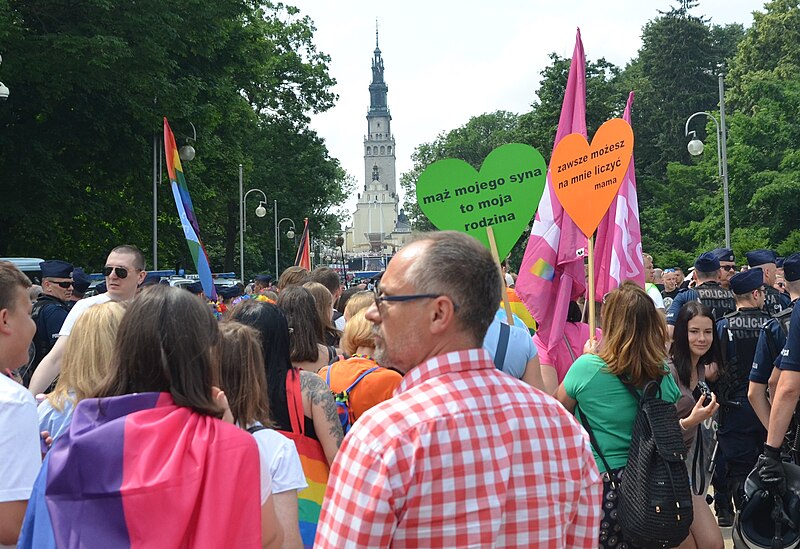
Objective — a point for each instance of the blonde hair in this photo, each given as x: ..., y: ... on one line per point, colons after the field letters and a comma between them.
x: 87, y: 355
x: 357, y: 333
x: 634, y: 335
x: 241, y: 373
x: 358, y: 301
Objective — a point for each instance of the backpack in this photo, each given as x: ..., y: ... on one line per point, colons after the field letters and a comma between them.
x: 343, y: 399
x: 655, y: 500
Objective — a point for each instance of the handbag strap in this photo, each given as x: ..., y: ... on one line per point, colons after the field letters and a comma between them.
x: 294, y: 399
x: 698, y: 484
x: 593, y: 441
x: 502, y: 346
x: 569, y: 347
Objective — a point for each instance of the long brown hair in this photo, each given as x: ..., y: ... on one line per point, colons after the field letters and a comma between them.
x: 634, y: 335
x: 164, y: 345
x: 241, y: 373
x: 304, y: 324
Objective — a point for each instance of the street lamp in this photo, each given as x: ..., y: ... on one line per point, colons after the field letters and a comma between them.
x: 186, y: 153
x: 289, y: 234
x: 695, y: 147
x: 260, y: 211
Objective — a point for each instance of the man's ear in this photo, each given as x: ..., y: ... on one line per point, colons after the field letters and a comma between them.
x: 442, y: 314
x: 4, y: 326
x: 142, y: 276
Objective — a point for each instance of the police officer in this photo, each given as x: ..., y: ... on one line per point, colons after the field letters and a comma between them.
x: 770, y: 469
x: 740, y: 431
x: 775, y: 301
x: 770, y: 343
x: 727, y: 265
x: 80, y: 285
x: 50, y: 310
x: 708, y: 291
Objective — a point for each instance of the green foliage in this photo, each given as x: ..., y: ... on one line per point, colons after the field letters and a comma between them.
x: 90, y: 84
x: 790, y: 245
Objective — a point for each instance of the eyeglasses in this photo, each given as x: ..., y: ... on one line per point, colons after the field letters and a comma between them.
x: 63, y: 284
x: 121, y: 272
x: 728, y: 267
x: 670, y: 270
x: 376, y: 293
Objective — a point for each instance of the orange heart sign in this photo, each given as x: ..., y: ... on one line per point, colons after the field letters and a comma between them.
x: 586, y: 179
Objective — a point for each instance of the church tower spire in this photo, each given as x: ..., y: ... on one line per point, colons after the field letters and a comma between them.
x: 378, y: 88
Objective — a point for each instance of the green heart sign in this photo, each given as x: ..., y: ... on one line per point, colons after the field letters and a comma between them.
x: 504, y: 195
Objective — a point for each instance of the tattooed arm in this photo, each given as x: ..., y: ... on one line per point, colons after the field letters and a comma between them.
x: 323, y: 413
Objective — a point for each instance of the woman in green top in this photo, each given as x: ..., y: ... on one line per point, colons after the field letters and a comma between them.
x: 633, y: 347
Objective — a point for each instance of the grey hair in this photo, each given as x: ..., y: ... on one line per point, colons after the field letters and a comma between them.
x: 459, y: 266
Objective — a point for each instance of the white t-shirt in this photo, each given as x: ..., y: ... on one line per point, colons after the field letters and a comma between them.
x: 77, y: 310
x: 20, y: 449
x: 280, y: 463
x: 652, y: 291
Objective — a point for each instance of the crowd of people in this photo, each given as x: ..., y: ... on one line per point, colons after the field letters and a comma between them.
x: 414, y: 412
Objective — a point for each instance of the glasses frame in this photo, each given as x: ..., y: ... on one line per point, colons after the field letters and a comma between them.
x: 728, y: 267
x: 121, y: 272
x: 62, y: 284
x: 376, y: 293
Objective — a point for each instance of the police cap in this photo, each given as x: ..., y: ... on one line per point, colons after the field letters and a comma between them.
x: 791, y: 267
x: 263, y: 278
x: 229, y: 292
x: 55, y: 268
x: 723, y: 254
x: 760, y: 257
x: 707, y: 263
x: 742, y: 283
x: 80, y: 281
x: 195, y: 287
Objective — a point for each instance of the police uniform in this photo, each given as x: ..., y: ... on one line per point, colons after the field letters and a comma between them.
x: 774, y: 301
x: 741, y: 435
x: 773, y: 337
x: 48, y: 314
x: 80, y: 285
x: 790, y: 356
x: 710, y: 294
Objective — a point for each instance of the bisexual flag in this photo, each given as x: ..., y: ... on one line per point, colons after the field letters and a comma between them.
x: 138, y: 471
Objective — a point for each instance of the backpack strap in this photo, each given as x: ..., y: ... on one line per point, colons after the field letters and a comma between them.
x: 593, y: 441
x: 502, y: 346
x: 358, y: 379
x: 294, y: 400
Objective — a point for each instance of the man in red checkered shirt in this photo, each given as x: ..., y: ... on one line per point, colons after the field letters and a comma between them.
x: 463, y: 454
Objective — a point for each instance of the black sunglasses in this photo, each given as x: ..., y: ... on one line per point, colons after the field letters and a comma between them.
x: 728, y: 267
x: 64, y: 284
x: 122, y: 272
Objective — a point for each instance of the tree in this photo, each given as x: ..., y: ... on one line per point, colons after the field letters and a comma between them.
x: 76, y: 134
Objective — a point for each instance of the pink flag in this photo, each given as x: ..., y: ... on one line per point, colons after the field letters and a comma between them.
x: 552, y: 270
x: 618, y: 249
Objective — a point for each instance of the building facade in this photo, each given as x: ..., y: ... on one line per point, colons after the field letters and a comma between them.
x: 377, y: 226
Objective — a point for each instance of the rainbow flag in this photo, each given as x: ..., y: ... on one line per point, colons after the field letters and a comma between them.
x: 186, y: 212
x: 303, y: 257
x: 137, y: 471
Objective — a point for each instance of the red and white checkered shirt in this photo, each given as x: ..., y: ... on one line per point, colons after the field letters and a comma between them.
x: 463, y: 455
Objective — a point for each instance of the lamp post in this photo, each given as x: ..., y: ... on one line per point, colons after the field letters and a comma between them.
x: 260, y: 211
x: 695, y: 147
x: 289, y: 234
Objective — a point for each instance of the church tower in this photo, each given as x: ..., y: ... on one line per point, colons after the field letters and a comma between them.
x: 376, y: 211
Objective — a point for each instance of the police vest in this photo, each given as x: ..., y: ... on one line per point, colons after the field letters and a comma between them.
x: 716, y: 298
x: 744, y: 327
x: 783, y: 318
x: 772, y: 300
x: 42, y: 341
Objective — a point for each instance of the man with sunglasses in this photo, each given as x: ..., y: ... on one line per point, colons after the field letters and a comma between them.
x: 50, y: 310
x: 727, y: 265
x: 124, y: 271
x: 451, y: 459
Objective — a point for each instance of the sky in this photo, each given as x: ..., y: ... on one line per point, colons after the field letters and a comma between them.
x: 448, y: 60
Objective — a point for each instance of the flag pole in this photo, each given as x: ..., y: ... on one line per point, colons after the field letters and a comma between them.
x: 590, y: 293
x: 496, y: 256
